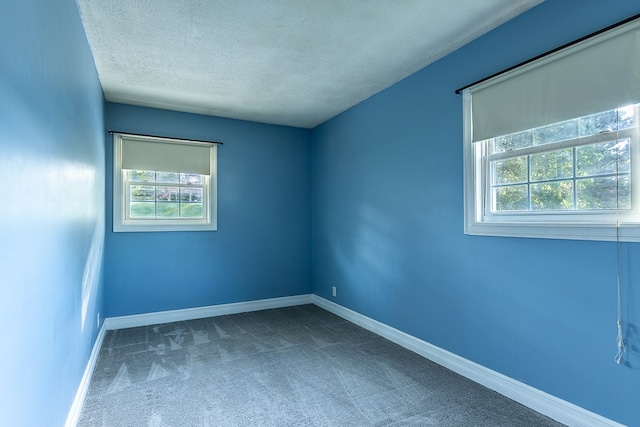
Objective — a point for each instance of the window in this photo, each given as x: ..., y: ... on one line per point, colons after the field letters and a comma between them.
x: 552, y: 148
x: 577, y: 165
x: 163, y: 184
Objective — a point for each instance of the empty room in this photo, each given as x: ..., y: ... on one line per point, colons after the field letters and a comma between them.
x: 320, y: 213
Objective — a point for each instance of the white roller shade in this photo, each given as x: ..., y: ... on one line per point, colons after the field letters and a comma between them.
x: 598, y: 74
x: 166, y: 156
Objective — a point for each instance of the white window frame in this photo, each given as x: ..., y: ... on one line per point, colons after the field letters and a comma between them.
x: 607, y: 225
x: 532, y: 95
x: 121, y: 221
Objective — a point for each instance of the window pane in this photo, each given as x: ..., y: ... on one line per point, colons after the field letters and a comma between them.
x: 137, y: 175
x: 552, y: 165
x: 167, y: 194
x: 168, y: 210
x: 190, y: 178
x: 142, y: 210
x: 511, y: 198
x: 191, y: 195
x: 603, y: 158
x: 552, y: 195
x: 555, y: 132
x: 625, y: 117
x: 510, y: 170
x: 140, y: 193
x: 511, y: 142
x: 168, y: 177
x: 607, y: 121
x: 191, y: 210
x: 603, y: 193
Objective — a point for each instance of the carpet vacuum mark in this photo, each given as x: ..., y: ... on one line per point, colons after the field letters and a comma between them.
x: 295, y: 366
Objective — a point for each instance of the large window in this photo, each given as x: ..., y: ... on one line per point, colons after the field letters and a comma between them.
x: 552, y: 148
x: 163, y: 184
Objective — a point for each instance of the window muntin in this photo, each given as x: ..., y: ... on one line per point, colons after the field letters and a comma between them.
x: 159, y: 200
x: 578, y: 165
x: 150, y: 196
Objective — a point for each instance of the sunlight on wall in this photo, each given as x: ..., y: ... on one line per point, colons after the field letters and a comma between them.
x: 70, y: 188
x: 92, y: 269
x: 78, y: 205
x: 371, y: 259
x: 48, y: 191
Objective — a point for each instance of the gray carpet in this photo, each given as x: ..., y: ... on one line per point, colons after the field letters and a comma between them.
x: 296, y: 366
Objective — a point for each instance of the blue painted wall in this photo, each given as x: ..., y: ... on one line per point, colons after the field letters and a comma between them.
x: 52, y: 210
x: 388, y: 232
x: 261, y: 247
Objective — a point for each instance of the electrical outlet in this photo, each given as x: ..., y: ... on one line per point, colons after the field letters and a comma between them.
x: 333, y: 291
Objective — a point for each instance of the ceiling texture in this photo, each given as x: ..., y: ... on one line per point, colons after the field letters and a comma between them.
x: 285, y: 62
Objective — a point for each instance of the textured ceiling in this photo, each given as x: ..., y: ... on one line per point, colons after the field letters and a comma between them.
x: 287, y: 62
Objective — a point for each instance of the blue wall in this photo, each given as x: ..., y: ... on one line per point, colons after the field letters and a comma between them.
x: 261, y: 247
x: 52, y: 214
x: 388, y: 232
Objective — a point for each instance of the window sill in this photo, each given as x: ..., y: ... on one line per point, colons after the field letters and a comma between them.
x: 566, y: 231
x: 156, y: 227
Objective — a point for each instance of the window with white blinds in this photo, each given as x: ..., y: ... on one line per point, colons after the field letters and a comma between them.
x: 162, y: 184
x: 552, y: 147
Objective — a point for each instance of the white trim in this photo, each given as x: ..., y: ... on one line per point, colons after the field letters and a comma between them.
x: 83, y: 387
x: 147, y: 319
x: 544, y: 403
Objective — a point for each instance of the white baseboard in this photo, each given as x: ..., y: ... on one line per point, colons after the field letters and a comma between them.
x: 202, y: 312
x: 544, y: 403
x: 74, y: 413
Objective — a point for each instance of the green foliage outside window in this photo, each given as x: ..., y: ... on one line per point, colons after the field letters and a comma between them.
x: 585, y: 176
